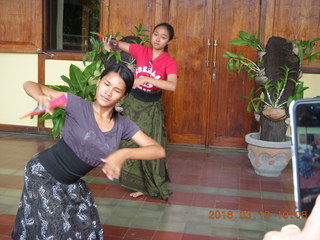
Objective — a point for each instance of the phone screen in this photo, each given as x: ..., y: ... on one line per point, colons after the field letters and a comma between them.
x: 305, y: 126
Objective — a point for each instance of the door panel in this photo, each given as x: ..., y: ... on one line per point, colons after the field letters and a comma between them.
x: 124, y: 15
x: 186, y: 108
x: 228, y: 119
x: 301, y: 22
x: 21, y: 26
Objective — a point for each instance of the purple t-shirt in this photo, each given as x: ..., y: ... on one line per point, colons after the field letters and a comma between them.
x: 83, y: 135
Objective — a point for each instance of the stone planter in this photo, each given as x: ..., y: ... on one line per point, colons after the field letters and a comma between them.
x: 268, y: 158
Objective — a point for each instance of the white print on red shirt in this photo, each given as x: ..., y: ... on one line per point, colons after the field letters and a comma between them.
x: 149, y: 71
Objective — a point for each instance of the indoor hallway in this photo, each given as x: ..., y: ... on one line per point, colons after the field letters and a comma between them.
x: 216, y: 196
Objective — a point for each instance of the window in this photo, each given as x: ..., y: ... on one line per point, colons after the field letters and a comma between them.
x: 70, y: 23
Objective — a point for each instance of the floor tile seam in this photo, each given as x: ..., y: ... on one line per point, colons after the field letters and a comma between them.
x: 244, y: 230
x: 11, y: 172
x: 288, y: 199
x: 205, y: 150
x: 157, y: 229
x: 177, y: 231
x: 211, y: 225
x: 199, y: 189
x: 188, y: 208
x: 205, y: 189
x: 171, y: 230
x: 231, y: 192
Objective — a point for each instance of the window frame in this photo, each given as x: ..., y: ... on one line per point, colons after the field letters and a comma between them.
x: 66, y: 54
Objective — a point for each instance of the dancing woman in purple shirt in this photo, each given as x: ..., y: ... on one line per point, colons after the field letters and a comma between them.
x: 56, y: 203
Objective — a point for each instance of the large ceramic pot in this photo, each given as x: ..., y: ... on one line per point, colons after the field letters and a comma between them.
x: 268, y: 158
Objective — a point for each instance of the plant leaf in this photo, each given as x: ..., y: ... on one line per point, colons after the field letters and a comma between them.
x: 239, y: 42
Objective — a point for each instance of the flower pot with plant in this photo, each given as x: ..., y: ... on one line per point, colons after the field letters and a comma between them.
x: 276, y: 73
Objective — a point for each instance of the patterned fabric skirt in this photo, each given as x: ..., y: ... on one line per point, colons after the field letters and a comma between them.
x: 51, y: 210
x: 148, y: 177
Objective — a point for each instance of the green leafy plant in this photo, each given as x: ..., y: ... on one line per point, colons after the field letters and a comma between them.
x: 254, y: 103
x: 80, y: 83
x: 98, y: 49
x: 239, y: 63
x: 98, y: 46
x: 269, y: 94
x: 305, y: 50
x: 245, y: 39
x: 141, y: 33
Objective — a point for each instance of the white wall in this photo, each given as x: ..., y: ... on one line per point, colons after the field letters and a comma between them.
x: 54, y: 69
x: 15, y: 69
x: 313, y: 82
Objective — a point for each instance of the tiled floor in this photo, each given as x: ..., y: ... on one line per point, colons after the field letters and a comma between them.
x: 216, y: 196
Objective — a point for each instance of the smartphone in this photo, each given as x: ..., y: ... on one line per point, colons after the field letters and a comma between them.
x: 305, y: 129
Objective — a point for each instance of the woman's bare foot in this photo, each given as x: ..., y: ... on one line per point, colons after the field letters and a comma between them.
x: 136, y: 194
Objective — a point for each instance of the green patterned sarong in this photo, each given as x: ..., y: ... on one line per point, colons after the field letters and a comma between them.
x: 148, y: 177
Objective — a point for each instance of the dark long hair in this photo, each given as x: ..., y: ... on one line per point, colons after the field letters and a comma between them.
x: 170, y: 31
x: 125, y: 73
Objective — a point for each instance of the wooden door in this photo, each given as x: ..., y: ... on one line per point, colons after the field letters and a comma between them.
x: 301, y: 22
x: 187, y: 107
x: 228, y: 120
x: 206, y: 109
x: 123, y: 15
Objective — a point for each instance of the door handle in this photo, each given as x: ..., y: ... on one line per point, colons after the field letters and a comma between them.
x: 208, y: 52
x: 45, y: 53
x: 214, y: 62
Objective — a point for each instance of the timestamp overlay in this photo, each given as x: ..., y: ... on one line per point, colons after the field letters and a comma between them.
x: 260, y: 215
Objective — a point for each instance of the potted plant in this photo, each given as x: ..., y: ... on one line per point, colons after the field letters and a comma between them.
x: 98, y: 53
x: 276, y: 73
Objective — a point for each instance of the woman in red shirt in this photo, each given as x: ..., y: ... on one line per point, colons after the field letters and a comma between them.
x: 155, y: 71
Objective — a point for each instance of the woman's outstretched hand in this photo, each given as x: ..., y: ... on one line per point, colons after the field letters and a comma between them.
x: 44, y: 102
x: 113, y: 164
x: 106, y: 43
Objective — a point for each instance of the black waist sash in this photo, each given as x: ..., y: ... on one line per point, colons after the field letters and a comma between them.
x: 146, y: 96
x: 63, y: 164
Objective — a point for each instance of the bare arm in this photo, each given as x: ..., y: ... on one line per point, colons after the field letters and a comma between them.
x: 148, y: 150
x: 113, y: 45
x: 170, y: 84
x: 41, y: 93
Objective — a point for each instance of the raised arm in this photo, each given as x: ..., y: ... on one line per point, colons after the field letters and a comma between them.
x: 114, y: 45
x: 148, y: 150
x: 41, y: 93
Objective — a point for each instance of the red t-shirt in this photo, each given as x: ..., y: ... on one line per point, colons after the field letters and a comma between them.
x: 159, y: 68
